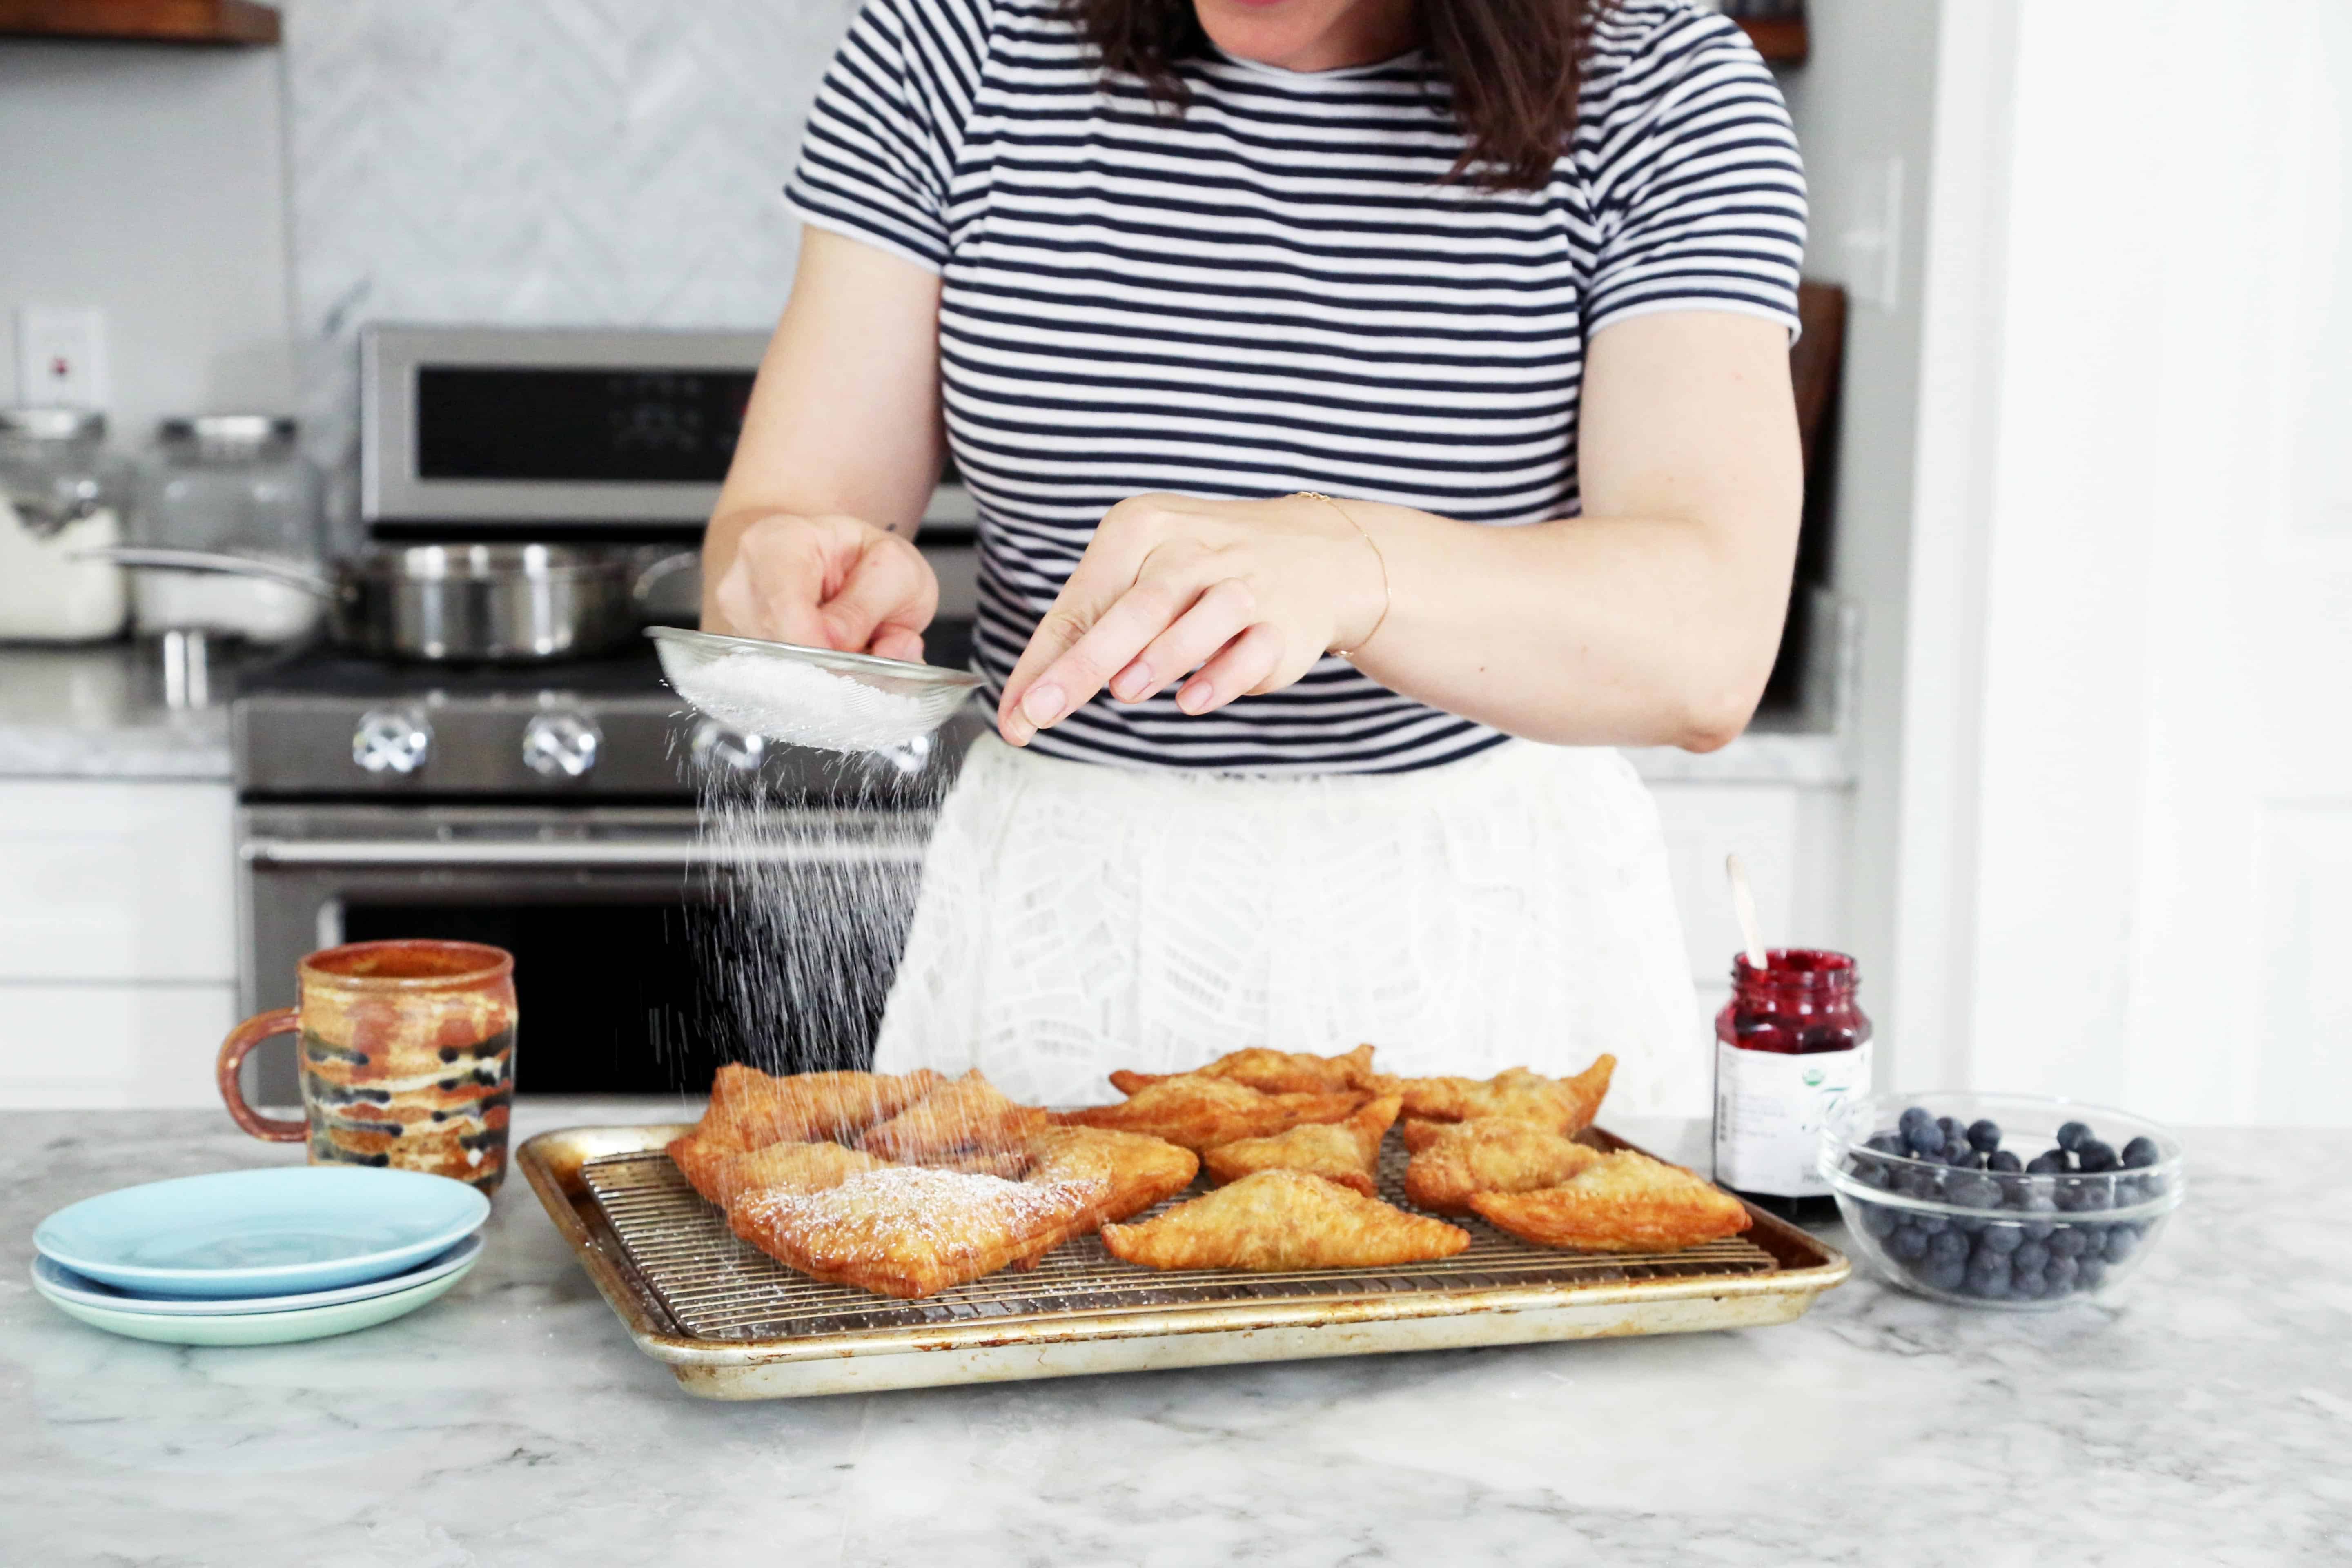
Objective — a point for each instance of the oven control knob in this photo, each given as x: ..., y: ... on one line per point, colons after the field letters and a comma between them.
x: 717, y: 746
x: 391, y: 741
x: 561, y: 744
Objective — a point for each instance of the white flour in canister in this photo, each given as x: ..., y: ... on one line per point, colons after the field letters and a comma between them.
x: 798, y: 704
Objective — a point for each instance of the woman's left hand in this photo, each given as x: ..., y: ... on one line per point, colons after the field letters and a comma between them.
x: 1249, y: 593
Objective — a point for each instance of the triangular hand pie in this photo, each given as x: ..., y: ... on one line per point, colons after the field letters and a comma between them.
x: 1282, y: 1220
x: 1348, y: 1153
x: 1492, y: 1155
x: 1623, y: 1202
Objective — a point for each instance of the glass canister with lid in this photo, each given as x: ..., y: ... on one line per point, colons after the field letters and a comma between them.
x: 61, y: 492
x: 234, y: 484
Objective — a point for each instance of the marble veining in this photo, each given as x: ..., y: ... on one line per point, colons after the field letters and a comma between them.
x: 98, y: 711
x: 2204, y: 1416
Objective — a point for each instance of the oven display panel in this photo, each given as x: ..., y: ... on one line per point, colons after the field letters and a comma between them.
x: 480, y: 422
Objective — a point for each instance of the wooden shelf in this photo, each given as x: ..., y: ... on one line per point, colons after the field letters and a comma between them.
x: 1782, y: 40
x: 218, y: 22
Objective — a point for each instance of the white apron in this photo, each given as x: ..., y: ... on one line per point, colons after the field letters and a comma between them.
x: 1510, y: 909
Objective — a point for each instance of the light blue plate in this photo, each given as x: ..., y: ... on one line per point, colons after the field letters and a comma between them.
x: 261, y: 1328
x: 262, y: 1232
x: 61, y: 1284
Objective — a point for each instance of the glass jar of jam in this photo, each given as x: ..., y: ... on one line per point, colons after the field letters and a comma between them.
x: 1790, y: 1047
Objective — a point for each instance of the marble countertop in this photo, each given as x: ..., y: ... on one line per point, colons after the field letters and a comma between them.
x: 98, y: 711
x: 2204, y: 1416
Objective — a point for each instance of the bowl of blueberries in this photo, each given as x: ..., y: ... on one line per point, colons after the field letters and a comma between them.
x: 1999, y: 1200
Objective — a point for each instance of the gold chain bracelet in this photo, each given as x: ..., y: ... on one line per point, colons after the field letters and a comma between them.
x: 1385, y: 592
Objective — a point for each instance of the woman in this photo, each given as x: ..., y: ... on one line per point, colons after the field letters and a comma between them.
x: 1378, y: 409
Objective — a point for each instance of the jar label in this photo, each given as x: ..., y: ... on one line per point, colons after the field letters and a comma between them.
x: 1769, y: 1107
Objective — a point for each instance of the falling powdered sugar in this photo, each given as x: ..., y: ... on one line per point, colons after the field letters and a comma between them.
x: 799, y: 704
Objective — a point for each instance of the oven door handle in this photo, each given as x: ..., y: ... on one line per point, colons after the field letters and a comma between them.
x: 680, y: 853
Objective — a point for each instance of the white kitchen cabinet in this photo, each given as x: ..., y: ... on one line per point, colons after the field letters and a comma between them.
x: 118, y: 933
x: 106, y: 880
x: 64, y: 1047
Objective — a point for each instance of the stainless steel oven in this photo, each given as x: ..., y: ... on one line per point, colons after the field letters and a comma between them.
x: 550, y: 809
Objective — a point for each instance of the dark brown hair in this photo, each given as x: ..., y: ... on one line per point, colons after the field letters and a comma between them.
x: 1513, y: 65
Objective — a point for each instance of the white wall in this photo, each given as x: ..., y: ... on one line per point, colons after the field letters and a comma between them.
x: 151, y: 181
x: 1866, y: 97
x: 2135, y: 491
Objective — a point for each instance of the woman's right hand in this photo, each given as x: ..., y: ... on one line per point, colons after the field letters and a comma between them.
x: 822, y: 581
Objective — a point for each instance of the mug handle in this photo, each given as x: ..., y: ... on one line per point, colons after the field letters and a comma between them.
x: 242, y: 1039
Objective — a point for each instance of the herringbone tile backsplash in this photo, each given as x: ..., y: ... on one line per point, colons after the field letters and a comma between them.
x: 563, y: 162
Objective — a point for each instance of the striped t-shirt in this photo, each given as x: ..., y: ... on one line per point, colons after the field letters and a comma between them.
x: 1279, y: 290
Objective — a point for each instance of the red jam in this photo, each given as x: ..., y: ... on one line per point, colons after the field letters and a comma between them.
x: 1768, y: 1115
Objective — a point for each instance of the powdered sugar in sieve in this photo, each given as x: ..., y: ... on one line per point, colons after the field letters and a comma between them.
x: 809, y: 697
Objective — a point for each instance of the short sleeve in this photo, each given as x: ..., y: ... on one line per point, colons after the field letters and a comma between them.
x: 1698, y: 191
x: 888, y: 125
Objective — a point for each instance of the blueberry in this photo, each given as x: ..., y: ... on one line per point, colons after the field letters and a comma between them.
x: 1930, y: 1224
x: 1922, y: 1138
x: 1874, y: 1176
x: 2121, y: 1239
x: 2091, y: 1273
x: 1954, y: 1131
x: 2094, y: 1198
x: 1879, y: 1220
x: 2026, y: 1286
x: 1961, y: 1156
x: 2000, y: 1238
x: 2141, y: 1153
x: 1884, y: 1143
x: 1946, y: 1246
x: 2061, y: 1275
x: 2002, y: 1160
x: 1976, y: 1193
x: 2046, y: 1164
x: 1907, y: 1243
x: 2070, y: 1242
x: 1945, y: 1276
x: 1985, y: 1134
x: 1914, y: 1116
x: 2038, y: 1231
x: 1993, y: 1286
x: 2095, y: 1156
x: 2071, y: 1136
x: 2029, y: 1256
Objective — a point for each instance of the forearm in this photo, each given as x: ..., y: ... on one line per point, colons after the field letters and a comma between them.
x: 1585, y: 631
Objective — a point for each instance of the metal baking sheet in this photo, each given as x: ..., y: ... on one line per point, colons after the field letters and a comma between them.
x: 734, y: 1323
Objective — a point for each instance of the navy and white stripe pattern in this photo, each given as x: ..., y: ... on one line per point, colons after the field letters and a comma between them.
x: 1277, y: 291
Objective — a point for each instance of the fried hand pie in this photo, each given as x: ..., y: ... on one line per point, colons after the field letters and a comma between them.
x: 1277, y: 1072
x: 792, y: 1167
x: 1010, y: 1164
x: 749, y: 1108
x: 905, y: 1231
x: 1348, y: 1153
x: 1203, y: 1113
x: 1273, y: 1220
x: 1134, y: 1171
x: 1623, y: 1202
x: 969, y: 1113
x: 1564, y: 1104
x: 1492, y: 1155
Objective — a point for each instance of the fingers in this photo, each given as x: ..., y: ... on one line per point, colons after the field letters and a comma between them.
x: 889, y: 587
x: 1247, y: 662
x: 775, y: 583
x: 897, y: 642
x: 1103, y: 576
x: 1219, y: 615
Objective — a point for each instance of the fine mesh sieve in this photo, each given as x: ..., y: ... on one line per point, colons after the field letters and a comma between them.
x: 807, y: 696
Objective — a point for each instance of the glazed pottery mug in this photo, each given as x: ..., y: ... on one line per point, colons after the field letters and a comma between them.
x: 406, y: 1054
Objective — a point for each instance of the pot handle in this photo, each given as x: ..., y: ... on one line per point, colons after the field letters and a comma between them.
x: 668, y: 566
x: 157, y: 558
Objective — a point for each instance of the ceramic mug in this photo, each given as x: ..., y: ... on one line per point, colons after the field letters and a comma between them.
x: 406, y: 1058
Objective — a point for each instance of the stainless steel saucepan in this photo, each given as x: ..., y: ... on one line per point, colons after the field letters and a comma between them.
x: 493, y: 603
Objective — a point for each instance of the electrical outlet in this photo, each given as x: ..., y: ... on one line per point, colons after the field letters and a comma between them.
x: 61, y: 355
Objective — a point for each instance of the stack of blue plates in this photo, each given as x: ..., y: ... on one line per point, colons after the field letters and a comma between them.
x: 259, y: 1257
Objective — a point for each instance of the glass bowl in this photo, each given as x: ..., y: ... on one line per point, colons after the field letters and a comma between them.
x: 2015, y: 1240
